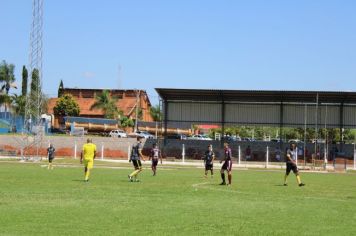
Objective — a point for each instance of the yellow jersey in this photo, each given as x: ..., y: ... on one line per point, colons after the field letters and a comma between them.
x: 89, y: 150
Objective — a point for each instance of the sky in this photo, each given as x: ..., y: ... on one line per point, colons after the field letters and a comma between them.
x: 201, y: 44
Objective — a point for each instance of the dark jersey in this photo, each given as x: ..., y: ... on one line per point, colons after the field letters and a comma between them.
x: 135, y: 152
x: 155, y: 153
x: 51, y: 151
x: 227, y: 153
x: 293, y: 155
x: 208, y: 157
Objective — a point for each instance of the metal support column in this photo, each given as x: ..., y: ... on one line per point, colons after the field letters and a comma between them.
x: 165, y: 105
x: 222, y: 120
x: 341, y: 123
x: 281, y: 120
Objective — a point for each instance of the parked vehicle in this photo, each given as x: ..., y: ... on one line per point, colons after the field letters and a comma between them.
x: 294, y: 141
x: 177, y: 136
x: 232, y: 138
x: 143, y: 134
x: 318, y: 140
x: 118, y: 133
x: 200, y: 137
x: 248, y: 139
x: 276, y: 140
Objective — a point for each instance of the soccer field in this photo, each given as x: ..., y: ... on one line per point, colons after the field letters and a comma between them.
x: 178, y: 201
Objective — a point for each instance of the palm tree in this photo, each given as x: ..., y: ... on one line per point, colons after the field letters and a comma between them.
x: 156, y: 113
x: 18, y: 103
x: 7, y: 79
x: 107, y: 104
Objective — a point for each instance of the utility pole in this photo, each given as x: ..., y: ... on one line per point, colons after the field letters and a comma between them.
x: 137, y: 104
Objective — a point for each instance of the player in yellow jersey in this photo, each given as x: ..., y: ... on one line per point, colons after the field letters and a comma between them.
x: 87, y: 157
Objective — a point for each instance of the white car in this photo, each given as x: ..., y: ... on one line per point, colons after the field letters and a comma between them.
x: 200, y: 137
x: 144, y: 134
x: 118, y: 133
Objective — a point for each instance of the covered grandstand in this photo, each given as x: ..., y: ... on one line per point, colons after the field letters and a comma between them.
x: 299, y: 109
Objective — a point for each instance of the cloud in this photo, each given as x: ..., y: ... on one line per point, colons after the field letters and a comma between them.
x: 88, y: 74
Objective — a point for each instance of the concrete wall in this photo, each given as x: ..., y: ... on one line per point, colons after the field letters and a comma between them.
x: 118, y: 148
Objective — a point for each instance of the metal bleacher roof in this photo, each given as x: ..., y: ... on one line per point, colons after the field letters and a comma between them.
x: 256, y: 95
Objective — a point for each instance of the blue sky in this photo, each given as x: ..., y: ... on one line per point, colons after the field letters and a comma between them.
x: 274, y: 45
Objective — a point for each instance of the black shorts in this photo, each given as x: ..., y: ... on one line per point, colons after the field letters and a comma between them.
x: 154, y: 162
x: 291, y: 167
x: 137, y: 164
x: 209, y: 166
x: 227, y: 165
x: 50, y: 159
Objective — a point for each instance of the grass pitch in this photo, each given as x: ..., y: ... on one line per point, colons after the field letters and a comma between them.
x: 178, y: 201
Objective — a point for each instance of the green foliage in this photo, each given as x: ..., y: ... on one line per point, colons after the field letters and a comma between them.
x: 126, y: 122
x: 7, y: 76
x: 107, y: 104
x: 66, y: 106
x: 287, y: 133
x: 35, y: 83
x: 24, y: 81
x: 18, y: 104
x: 175, y: 202
x: 156, y: 113
x: 60, y: 89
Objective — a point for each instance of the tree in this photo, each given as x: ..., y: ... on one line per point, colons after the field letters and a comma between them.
x: 156, y: 113
x: 24, y: 81
x: 107, y: 104
x: 126, y: 122
x: 35, y: 83
x: 7, y: 77
x: 66, y: 106
x: 18, y: 104
x: 60, y: 89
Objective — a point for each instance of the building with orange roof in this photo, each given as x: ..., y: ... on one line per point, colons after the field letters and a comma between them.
x: 127, y: 100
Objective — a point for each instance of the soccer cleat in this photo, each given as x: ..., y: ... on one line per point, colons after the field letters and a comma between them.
x: 130, y: 178
x: 223, y: 183
x: 285, y: 184
x: 301, y: 185
x: 137, y: 180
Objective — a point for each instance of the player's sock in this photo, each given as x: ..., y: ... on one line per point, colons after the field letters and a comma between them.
x: 298, y: 179
x: 87, y: 173
x: 230, y: 178
x: 223, y: 177
x: 134, y: 173
x: 285, y: 179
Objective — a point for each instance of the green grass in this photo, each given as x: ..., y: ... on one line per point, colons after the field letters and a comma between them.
x: 178, y: 201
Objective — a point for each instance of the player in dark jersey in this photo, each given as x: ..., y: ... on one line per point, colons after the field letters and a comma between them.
x: 135, y: 158
x: 155, y: 155
x: 50, y: 153
x: 291, y: 157
x: 227, y: 166
x: 209, y: 158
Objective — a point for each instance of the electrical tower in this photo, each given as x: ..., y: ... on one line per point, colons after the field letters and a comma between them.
x: 34, y: 130
x: 34, y: 98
